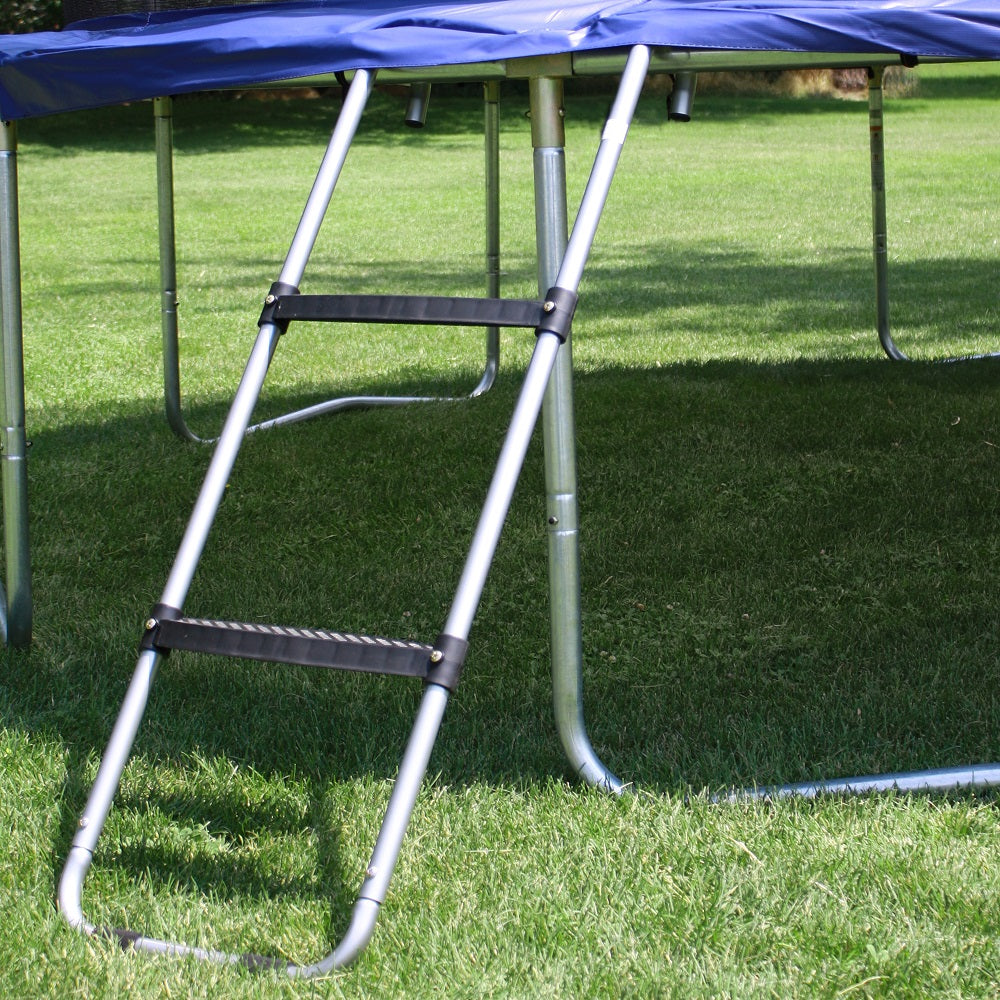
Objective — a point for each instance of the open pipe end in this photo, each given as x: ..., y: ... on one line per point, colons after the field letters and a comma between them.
x: 681, y: 100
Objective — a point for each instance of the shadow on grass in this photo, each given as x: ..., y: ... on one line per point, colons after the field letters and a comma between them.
x: 789, y: 572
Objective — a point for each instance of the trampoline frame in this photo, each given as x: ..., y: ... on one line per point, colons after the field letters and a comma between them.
x: 548, y: 384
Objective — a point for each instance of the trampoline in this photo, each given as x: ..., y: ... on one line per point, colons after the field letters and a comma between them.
x: 159, y: 51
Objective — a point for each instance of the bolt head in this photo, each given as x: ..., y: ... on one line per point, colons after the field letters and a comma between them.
x: 548, y: 306
x: 437, y: 656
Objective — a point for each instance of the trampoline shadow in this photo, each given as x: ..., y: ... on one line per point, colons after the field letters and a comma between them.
x: 788, y: 574
x: 760, y: 532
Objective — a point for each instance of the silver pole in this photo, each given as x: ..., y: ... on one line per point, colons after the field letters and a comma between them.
x: 501, y: 490
x: 562, y: 264
x: 238, y: 419
x: 164, y: 131
x: 326, y: 179
x: 390, y: 838
x: 15, y: 604
x: 102, y: 793
x: 945, y: 779
x: 491, y: 129
x: 133, y: 707
x: 560, y: 449
x: 880, y: 245
x: 550, y: 221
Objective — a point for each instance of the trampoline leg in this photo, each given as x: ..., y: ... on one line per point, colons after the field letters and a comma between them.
x: 163, y: 115
x: 15, y: 601
x: 880, y: 228
x: 879, y: 235
x: 557, y: 421
x: 491, y: 134
x: 163, y: 118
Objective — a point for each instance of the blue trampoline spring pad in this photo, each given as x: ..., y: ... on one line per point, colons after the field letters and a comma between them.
x: 136, y: 56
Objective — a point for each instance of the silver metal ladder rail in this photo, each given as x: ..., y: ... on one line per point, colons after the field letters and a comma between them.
x: 439, y: 665
x: 416, y: 112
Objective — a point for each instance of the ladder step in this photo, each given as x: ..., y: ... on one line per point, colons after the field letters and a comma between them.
x: 428, y: 310
x: 303, y: 646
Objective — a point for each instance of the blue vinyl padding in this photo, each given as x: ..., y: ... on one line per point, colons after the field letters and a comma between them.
x: 136, y: 56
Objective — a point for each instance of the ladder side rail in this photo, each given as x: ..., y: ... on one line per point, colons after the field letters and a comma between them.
x: 133, y: 707
x: 499, y: 494
x: 490, y: 524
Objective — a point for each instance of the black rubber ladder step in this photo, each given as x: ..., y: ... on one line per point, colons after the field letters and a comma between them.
x: 425, y: 310
x: 302, y: 646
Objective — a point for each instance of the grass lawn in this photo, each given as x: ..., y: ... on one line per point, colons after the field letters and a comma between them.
x: 790, y: 558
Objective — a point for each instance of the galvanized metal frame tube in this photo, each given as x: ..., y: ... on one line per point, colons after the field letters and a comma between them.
x: 561, y: 262
x: 15, y: 601
x: 880, y: 244
x: 164, y: 140
x: 491, y: 143
x: 943, y: 779
x: 880, y: 228
x: 559, y: 437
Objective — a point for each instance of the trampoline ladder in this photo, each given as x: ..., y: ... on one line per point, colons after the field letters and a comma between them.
x: 438, y: 665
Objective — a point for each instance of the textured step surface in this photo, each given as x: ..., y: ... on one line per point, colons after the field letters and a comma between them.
x: 303, y: 646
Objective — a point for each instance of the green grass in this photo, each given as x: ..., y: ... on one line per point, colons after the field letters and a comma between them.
x: 790, y: 560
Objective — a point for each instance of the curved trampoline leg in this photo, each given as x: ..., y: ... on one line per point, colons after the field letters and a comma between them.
x: 880, y: 229
x: 163, y: 117
x: 560, y: 452
x: 561, y: 263
x: 880, y: 249
x: 491, y: 175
